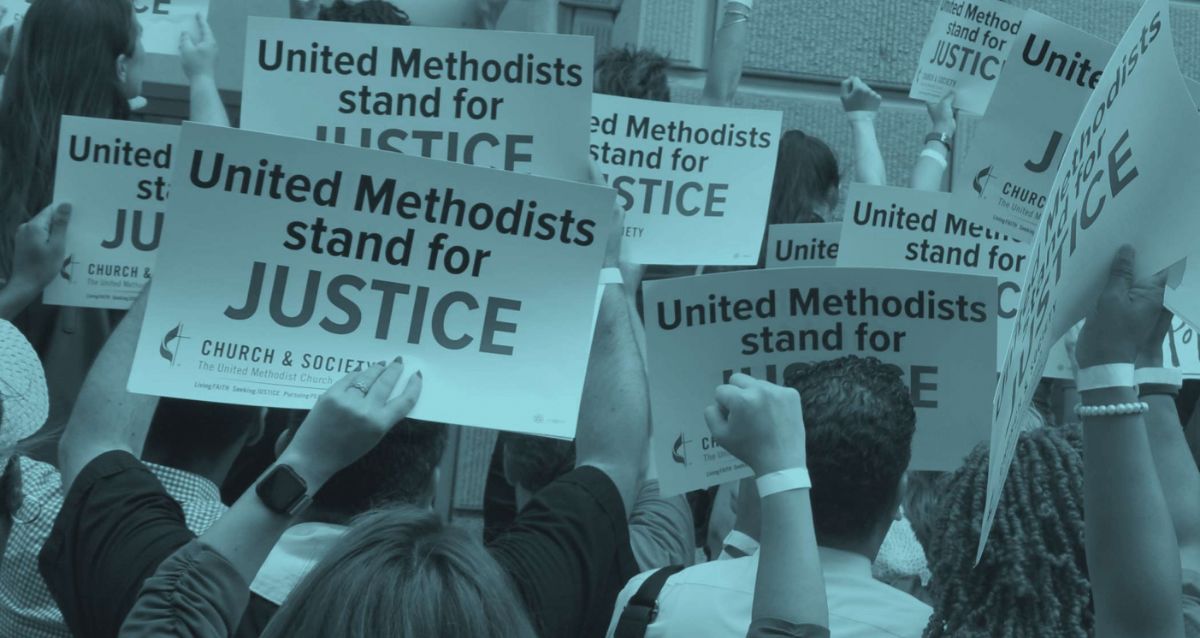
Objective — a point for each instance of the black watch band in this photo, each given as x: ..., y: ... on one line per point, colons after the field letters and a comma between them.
x: 283, y: 491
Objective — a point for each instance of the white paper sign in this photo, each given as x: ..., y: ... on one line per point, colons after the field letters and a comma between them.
x: 1006, y: 174
x: 803, y: 245
x: 965, y: 51
x: 694, y: 181
x: 163, y: 21
x: 699, y: 330
x: 116, y: 175
x: 515, y: 101
x: 889, y: 227
x: 289, y: 263
x: 12, y: 12
x: 1136, y: 137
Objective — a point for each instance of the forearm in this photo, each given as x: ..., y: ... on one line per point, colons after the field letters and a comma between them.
x: 869, y: 167
x: 246, y: 533
x: 930, y: 168
x: 614, y: 394
x: 1177, y: 474
x: 789, y: 585
x: 15, y: 297
x: 106, y: 416
x: 1132, y: 554
x: 728, y: 55
x: 206, y: 104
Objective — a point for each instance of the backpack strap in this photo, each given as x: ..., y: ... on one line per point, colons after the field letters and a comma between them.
x: 643, y: 606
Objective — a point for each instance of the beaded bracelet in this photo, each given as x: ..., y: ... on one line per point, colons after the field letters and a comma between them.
x: 1119, y: 409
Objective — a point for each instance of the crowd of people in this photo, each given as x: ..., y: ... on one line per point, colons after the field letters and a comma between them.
x: 131, y: 515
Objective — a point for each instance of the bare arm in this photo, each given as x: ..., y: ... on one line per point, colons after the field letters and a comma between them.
x: 861, y: 105
x: 106, y: 416
x: 935, y: 157
x: 199, y: 55
x: 614, y: 412
x: 1177, y: 471
x: 1132, y: 553
x: 728, y: 54
x: 762, y: 424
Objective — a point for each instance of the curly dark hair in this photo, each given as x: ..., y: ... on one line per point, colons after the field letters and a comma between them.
x: 397, y: 471
x: 1032, y: 579
x: 859, y: 422
x: 365, y: 12
x: 636, y: 73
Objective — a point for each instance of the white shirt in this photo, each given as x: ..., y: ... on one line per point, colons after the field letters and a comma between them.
x: 299, y: 550
x: 715, y: 600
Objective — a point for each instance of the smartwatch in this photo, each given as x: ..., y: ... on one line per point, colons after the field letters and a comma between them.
x: 284, y: 491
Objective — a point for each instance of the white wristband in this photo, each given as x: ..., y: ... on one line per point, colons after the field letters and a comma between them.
x: 860, y: 116
x: 611, y: 276
x: 935, y: 156
x: 783, y: 481
x: 741, y: 542
x: 1159, y: 376
x: 1113, y: 375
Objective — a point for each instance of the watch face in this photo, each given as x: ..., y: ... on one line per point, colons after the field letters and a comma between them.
x: 282, y: 489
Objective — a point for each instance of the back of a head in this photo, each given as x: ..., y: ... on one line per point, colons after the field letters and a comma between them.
x: 188, y: 435
x: 1032, y: 579
x: 533, y: 462
x: 806, y: 180
x: 399, y: 470
x: 859, y: 423
x: 402, y: 573
x: 365, y: 12
x: 635, y: 73
x: 64, y: 63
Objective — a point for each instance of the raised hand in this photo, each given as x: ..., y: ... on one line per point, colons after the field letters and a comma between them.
x: 351, y: 418
x: 760, y: 423
x: 1125, y: 316
x: 941, y: 113
x: 857, y: 96
x: 305, y: 9
x: 198, y: 52
x: 40, y: 247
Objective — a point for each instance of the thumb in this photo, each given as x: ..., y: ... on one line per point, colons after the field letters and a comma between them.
x: 1120, y: 275
x: 58, y: 223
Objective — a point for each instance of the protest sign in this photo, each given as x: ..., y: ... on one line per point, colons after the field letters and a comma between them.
x: 164, y: 20
x: 889, y: 227
x: 1004, y: 177
x: 802, y: 245
x: 694, y: 181
x: 516, y: 101
x: 935, y: 327
x: 12, y: 12
x: 289, y: 263
x: 965, y: 51
x: 116, y: 175
x: 1118, y: 183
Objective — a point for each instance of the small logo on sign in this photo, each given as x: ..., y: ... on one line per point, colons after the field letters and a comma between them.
x: 679, y: 450
x: 169, y: 348
x: 981, y: 180
x: 68, y: 268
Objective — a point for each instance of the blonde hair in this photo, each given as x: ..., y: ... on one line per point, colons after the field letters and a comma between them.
x: 403, y: 573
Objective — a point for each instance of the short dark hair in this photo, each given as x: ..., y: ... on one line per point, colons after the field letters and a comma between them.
x: 188, y: 434
x: 806, y: 172
x: 859, y: 422
x: 365, y: 12
x: 636, y: 73
x: 397, y: 471
x: 533, y: 462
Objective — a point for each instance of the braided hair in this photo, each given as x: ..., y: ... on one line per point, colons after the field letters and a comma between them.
x: 1032, y: 579
x: 366, y: 12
